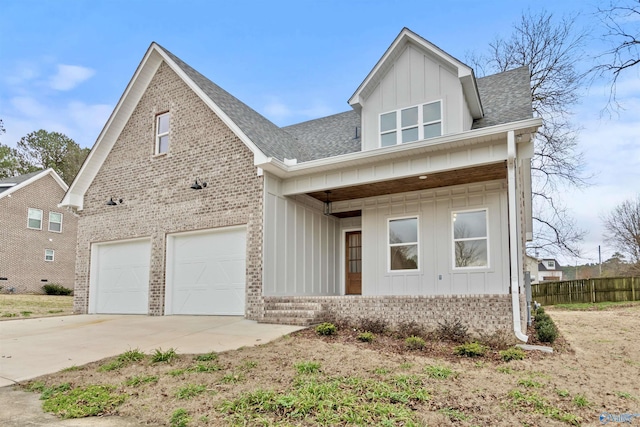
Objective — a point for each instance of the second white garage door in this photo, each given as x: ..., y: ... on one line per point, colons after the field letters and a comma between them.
x: 206, y: 272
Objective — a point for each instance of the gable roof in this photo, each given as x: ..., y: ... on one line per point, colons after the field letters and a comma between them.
x: 13, y: 184
x: 406, y: 36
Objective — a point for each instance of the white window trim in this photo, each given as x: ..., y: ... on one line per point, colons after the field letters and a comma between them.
x: 159, y: 135
x: 389, y: 245
x: 421, y: 124
x: 454, y: 240
x: 49, y: 227
x: 28, y: 218
x: 53, y: 255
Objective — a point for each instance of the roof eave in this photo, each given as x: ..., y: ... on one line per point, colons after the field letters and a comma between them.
x: 34, y: 178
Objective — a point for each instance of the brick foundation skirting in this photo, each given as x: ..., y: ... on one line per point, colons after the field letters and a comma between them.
x: 480, y: 313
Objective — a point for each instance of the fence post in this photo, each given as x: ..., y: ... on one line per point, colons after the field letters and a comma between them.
x: 593, y: 291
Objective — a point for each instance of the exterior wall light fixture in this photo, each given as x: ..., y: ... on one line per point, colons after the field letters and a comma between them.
x: 112, y: 202
x: 198, y: 185
x: 327, y: 204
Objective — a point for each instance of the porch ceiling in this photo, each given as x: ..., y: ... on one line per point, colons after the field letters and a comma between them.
x: 441, y: 179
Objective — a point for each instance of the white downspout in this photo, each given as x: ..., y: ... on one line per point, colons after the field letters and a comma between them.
x: 513, y: 235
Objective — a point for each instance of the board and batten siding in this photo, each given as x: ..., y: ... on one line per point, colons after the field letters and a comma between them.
x: 300, y: 245
x: 414, y: 78
x: 434, y: 208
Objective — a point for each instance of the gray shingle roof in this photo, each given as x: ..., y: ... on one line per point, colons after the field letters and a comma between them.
x: 272, y: 140
x: 16, y: 180
x: 506, y: 97
x: 328, y: 136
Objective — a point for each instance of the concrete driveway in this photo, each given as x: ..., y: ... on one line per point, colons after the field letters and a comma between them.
x: 33, y: 347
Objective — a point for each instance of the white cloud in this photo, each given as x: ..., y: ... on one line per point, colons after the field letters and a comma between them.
x: 28, y: 106
x: 70, y: 76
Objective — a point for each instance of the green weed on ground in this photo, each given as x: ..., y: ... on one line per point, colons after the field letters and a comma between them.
x: 595, y: 306
x: 82, y: 402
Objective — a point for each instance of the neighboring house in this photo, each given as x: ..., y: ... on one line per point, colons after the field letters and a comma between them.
x: 549, y: 271
x: 37, y: 238
x: 412, y: 206
x: 531, y: 265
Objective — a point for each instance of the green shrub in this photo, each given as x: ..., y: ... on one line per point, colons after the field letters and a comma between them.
x: 513, y: 353
x: 163, y: 356
x: 472, y: 349
x: 326, y: 329
x: 54, y: 289
x: 546, y: 331
x: 366, y: 337
x: 414, y: 343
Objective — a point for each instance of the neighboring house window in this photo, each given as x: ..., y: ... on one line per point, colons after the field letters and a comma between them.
x: 35, y: 219
x: 551, y: 264
x: 470, y: 239
x: 55, y: 222
x: 48, y: 254
x: 162, y: 133
x: 403, y: 244
x: 411, y: 124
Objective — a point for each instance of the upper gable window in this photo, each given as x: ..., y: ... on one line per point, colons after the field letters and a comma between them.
x: 55, y: 222
x: 411, y: 124
x: 34, y: 219
x: 162, y: 133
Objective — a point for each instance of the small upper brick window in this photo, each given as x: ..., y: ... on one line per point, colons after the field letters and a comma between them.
x: 162, y: 133
x: 35, y: 219
x: 55, y: 222
x: 49, y: 254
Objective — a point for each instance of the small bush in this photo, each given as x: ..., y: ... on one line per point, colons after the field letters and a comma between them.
x: 366, y: 337
x: 472, y: 349
x: 163, y: 356
x: 513, y: 353
x: 452, y: 330
x: 53, y: 289
x: 546, y: 331
x: 376, y: 326
x: 415, y: 343
x: 326, y: 329
x: 498, y: 340
x: 131, y: 356
x: 409, y: 329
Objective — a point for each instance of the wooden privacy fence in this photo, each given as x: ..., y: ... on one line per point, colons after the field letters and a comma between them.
x: 615, y: 289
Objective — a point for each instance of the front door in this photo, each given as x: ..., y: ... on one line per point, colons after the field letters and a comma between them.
x: 353, y: 263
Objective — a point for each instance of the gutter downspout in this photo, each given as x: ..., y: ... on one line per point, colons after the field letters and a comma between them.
x: 513, y: 235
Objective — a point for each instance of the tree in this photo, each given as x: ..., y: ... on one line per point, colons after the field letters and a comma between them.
x: 551, y: 49
x: 10, y: 161
x: 621, y: 20
x: 42, y: 150
x: 622, y: 230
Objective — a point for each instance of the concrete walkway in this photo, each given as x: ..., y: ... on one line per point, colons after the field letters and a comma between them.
x: 33, y: 347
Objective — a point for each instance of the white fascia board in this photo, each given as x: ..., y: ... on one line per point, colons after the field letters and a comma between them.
x: 278, y: 168
x: 112, y: 129
x: 15, y: 187
x: 257, y: 153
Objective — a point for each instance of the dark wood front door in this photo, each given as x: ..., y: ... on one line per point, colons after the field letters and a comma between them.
x: 353, y: 263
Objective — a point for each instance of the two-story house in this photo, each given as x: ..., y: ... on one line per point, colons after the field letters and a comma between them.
x: 414, y: 205
x: 37, y: 238
x: 549, y: 270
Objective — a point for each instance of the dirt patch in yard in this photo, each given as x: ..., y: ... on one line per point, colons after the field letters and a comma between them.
x: 304, y: 379
x: 26, y: 306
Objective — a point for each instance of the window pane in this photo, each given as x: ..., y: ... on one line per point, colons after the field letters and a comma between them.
x: 163, y: 124
x: 55, y: 217
x: 403, y: 230
x: 404, y: 257
x: 387, y: 121
x: 471, y: 253
x: 163, y: 144
x: 431, y: 112
x: 34, y: 223
x: 432, y: 130
x: 469, y: 224
x: 388, y: 139
x: 409, y: 117
x: 410, y: 134
x: 55, y: 226
x: 48, y: 254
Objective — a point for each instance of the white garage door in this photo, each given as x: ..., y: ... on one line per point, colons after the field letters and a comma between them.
x: 206, y: 272
x: 120, y: 277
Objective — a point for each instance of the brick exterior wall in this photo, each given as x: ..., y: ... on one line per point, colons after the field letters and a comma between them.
x: 156, y: 193
x: 22, y: 249
x: 481, y: 313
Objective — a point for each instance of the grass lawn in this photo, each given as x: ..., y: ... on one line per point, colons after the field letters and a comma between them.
x: 375, y: 379
x: 21, y: 306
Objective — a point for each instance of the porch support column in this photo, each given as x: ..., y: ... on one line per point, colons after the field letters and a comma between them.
x: 513, y: 236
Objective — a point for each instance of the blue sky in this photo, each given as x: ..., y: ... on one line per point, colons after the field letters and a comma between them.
x: 65, y: 64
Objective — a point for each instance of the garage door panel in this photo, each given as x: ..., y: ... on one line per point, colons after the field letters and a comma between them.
x: 121, y: 277
x: 207, y: 273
